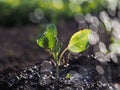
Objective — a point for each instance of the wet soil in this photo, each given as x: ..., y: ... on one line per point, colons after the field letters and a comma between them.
x: 86, y: 73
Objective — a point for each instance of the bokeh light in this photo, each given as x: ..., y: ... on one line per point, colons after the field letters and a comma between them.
x: 93, y: 28
x: 116, y: 35
x: 114, y: 58
x: 36, y: 16
x: 58, y: 4
x: 88, y: 17
x: 93, y: 38
x: 95, y: 21
x: 111, y: 12
x: 101, y: 57
x: 116, y: 25
x: 115, y: 48
x: 99, y: 69
x: 39, y: 14
x: 74, y: 7
x: 102, y: 48
x: 112, y: 4
x: 106, y: 20
x: 79, y: 17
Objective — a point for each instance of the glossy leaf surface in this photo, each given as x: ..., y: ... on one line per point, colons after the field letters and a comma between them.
x: 79, y: 41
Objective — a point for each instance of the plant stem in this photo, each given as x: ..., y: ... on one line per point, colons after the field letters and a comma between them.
x: 57, y: 66
x: 57, y: 70
x: 62, y: 55
x: 57, y: 61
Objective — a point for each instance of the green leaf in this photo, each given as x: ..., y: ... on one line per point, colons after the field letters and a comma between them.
x: 42, y: 41
x: 51, y: 28
x: 49, y: 38
x: 79, y: 41
x: 57, y: 48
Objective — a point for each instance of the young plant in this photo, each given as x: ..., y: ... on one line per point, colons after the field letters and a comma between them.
x: 48, y: 40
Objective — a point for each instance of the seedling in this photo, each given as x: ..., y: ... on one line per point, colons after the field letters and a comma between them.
x: 48, y: 40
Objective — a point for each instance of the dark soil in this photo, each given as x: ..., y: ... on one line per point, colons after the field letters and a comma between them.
x: 82, y: 76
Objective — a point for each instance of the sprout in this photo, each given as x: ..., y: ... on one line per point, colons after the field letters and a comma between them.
x: 48, y: 40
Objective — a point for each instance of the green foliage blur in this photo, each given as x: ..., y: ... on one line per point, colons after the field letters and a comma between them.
x: 17, y: 11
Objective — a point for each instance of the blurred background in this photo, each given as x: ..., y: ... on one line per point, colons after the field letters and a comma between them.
x: 21, y: 21
x: 21, y: 12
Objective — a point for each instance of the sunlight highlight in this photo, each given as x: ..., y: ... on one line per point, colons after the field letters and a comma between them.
x: 58, y: 4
